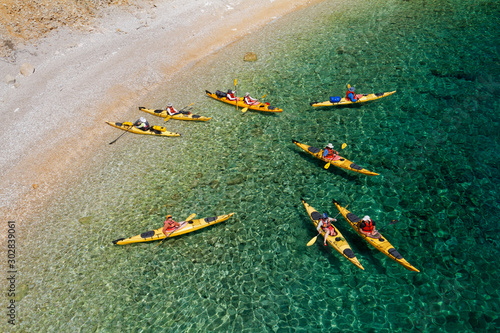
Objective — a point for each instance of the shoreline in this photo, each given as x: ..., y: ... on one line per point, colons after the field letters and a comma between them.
x: 54, y: 127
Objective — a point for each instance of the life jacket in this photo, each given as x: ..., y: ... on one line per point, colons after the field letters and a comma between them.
x: 230, y: 96
x: 367, y: 226
x: 170, y: 223
x: 349, y: 98
x: 327, y: 225
x: 143, y: 126
x: 331, y: 153
x: 171, y: 111
x: 249, y: 100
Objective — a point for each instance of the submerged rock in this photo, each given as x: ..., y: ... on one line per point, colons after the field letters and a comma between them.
x: 85, y: 220
x: 9, y: 79
x: 250, y: 56
x: 27, y: 69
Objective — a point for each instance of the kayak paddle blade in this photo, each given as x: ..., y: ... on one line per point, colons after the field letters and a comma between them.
x: 312, y: 241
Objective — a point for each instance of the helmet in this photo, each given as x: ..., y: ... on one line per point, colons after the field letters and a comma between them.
x: 169, y: 105
x: 351, y: 89
x: 324, y: 216
x: 329, y: 145
x: 247, y: 94
x: 366, y: 218
x: 142, y: 119
x: 169, y: 216
x: 229, y: 91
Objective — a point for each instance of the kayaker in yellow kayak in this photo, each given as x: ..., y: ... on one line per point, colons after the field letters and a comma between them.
x: 329, y: 153
x: 351, y: 95
x: 230, y: 95
x: 367, y: 227
x: 250, y: 100
x: 325, y: 224
x: 171, y: 110
x: 170, y: 225
x: 142, y: 124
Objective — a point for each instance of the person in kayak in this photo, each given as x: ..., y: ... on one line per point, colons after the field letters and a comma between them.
x: 170, y: 224
x: 171, y: 110
x: 250, y: 100
x: 329, y: 153
x: 142, y: 124
x: 367, y: 227
x: 230, y: 95
x: 351, y: 95
x: 325, y: 224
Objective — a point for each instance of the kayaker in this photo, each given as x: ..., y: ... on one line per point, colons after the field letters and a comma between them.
x: 142, y: 124
x: 170, y: 224
x: 367, y: 227
x: 325, y: 224
x: 230, y: 95
x: 250, y: 100
x: 351, y: 95
x: 329, y: 153
x: 171, y: 111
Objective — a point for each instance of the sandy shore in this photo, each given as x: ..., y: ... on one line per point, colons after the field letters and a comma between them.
x: 53, y: 118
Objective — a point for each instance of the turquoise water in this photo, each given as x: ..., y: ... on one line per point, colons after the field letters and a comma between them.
x: 434, y: 143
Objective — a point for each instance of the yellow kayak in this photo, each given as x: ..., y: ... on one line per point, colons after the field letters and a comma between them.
x: 184, y: 228
x: 339, y: 161
x: 265, y: 107
x: 338, y: 242
x: 154, y: 130
x: 381, y: 244
x: 179, y: 116
x: 364, y: 98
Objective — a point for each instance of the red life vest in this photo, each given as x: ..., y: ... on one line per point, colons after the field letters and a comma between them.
x: 368, y: 226
x: 331, y: 153
x: 250, y: 101
x: 327, y: 225
x: 170, y: 223
x: 230, y: 96
x: 347, y: 95
x: 171, y: 111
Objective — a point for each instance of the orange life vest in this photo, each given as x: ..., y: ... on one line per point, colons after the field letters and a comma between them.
x: 367, y: 226
x: 331, y: 153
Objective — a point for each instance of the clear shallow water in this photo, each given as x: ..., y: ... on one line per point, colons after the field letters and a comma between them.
x: 434, y: 142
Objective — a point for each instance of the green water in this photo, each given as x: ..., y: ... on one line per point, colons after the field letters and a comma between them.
x: 434, y: 143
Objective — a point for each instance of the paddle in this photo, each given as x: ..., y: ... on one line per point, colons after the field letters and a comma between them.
x: 313, y: 240
x: 187, y: 220
x: 328, y: 164
x: 169, y: 117
x: 235, y: 82
x: 121, y: 135
x: 392, y: 222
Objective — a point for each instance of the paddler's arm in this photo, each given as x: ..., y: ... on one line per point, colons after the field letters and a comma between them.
x: 320, y: 224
